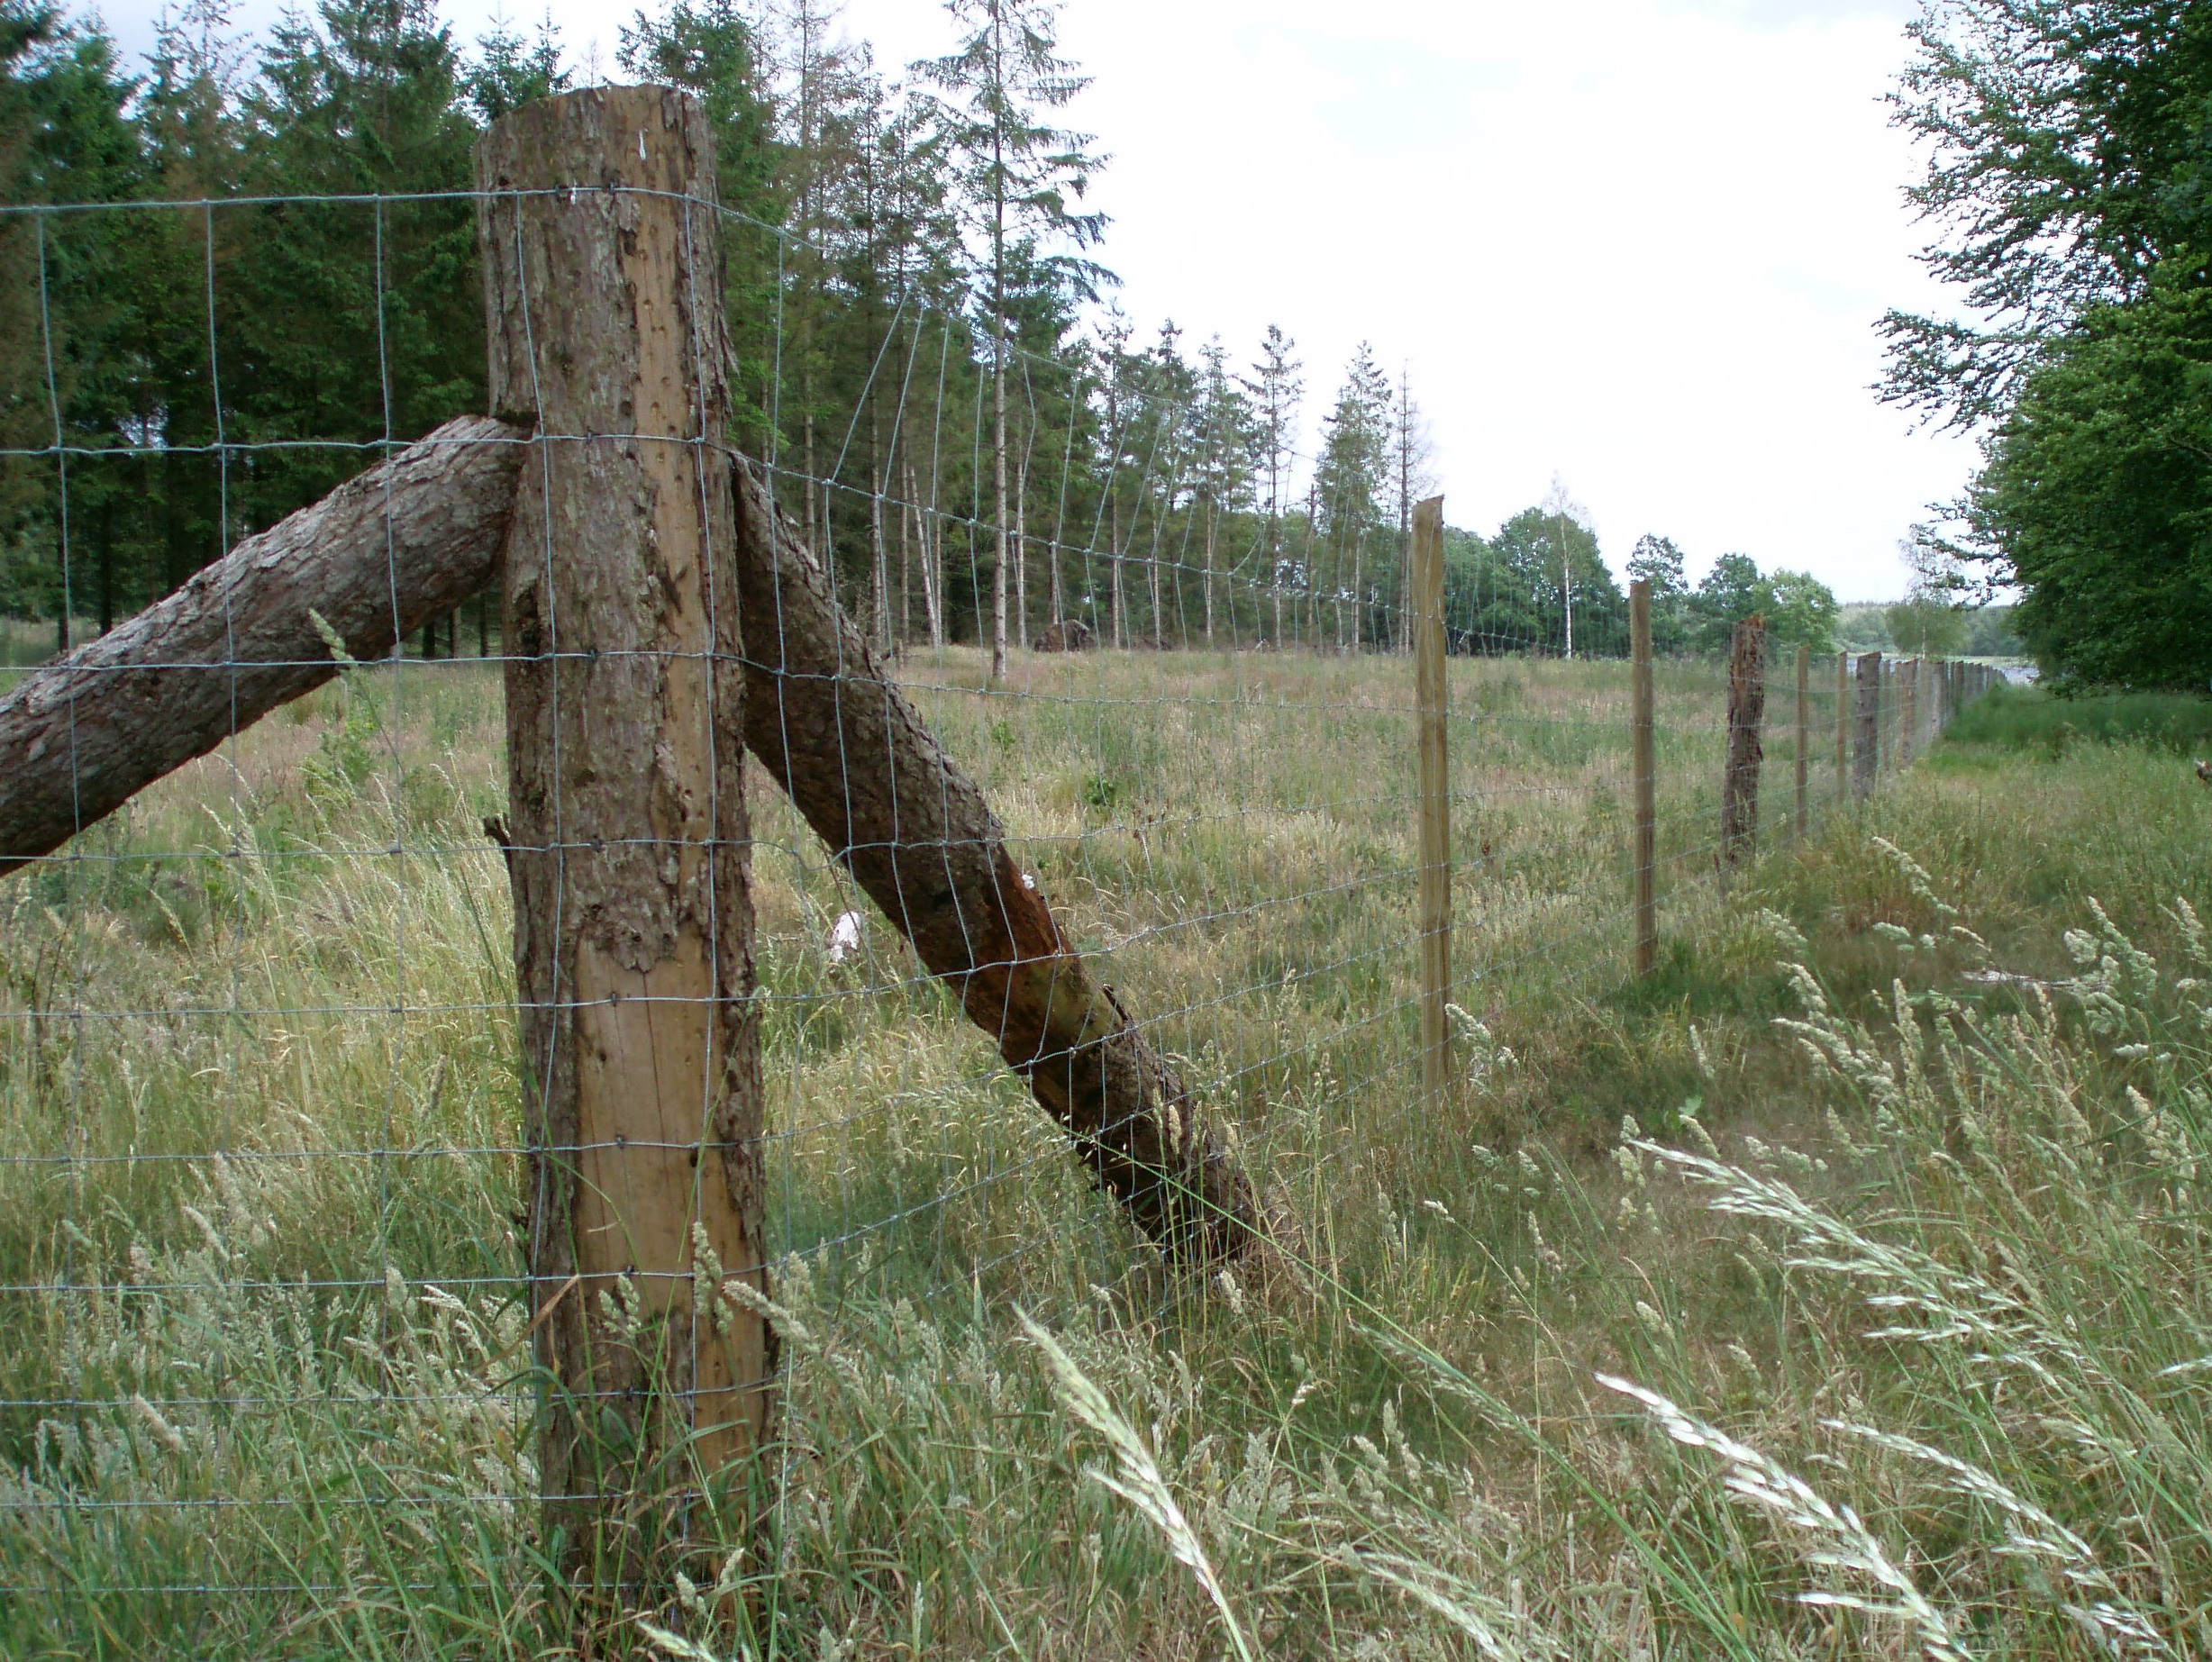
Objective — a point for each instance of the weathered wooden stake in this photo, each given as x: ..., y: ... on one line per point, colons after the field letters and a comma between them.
x: 1805, y: 737
x: 627, y: 836
x: 1866, y: 753
x: 1643, y: 752
x: 1747, y: 711
x: 1908, y: 711
x: 1842, y: 726
x: 1432, y: 698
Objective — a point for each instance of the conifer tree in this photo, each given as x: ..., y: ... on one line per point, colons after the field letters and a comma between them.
x: 1016, y: 175
x: 1275, y: 389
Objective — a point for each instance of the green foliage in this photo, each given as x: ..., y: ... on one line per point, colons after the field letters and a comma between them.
x: 2029, y: 718
x: 1658, y: 560
x: 1926, y: 627
x: 2067, y: 169
x: 1800, y: 610
x: 2097, y: 497
x: 1514, y: 591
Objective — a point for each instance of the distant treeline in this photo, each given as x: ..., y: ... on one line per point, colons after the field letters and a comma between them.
x: 915, y: 298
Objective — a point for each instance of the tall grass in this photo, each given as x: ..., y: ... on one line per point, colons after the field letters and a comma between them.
x: 1880, y: 1204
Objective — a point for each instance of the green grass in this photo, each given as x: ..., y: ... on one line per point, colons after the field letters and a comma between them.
x: 1948, y: 1054
x: 2026, y: 718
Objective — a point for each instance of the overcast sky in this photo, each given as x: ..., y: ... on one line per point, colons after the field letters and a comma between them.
x: 1640, y: 244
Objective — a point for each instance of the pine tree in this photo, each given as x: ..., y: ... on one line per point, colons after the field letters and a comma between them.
x: 1409, y: 480
x: 1016, y: 174
x: 1350, y: 478
x: 1275, y: 389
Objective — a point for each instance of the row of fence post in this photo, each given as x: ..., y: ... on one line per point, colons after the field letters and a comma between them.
x: 1927, y: 692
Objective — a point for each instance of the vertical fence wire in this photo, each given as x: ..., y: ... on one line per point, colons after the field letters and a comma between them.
x: 268, y: 1228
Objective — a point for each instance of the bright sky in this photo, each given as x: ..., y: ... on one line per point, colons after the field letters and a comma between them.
x: 1640, y: 244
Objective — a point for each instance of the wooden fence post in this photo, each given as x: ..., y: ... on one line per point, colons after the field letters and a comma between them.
x: 1432, y: 695
x: 1747, y: 709
x: 1643, y: 752
x: 1908, y: 711
x: 627, y: 835
x: 1842, y: 726
x: 1866, y: 753
x: 1805, y: 737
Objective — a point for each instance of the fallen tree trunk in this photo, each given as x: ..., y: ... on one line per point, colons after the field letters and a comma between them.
x: 918, y: 837
x: 382, y: 554
x: 78, y: 739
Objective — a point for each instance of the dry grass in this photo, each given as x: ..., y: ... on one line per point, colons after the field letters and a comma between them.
x: 1909, y: 1281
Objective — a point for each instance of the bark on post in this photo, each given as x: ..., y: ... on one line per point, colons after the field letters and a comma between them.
x: 627, y: 840
x: 1643, y: 763
x: 1908, y: 711
x: 377, y: 557
x: 923, y: 843
x: 1842, y: 726
x: 1425, y: 620
x: 1804, y: 738
x: 1747, y: 711
x: 1866, y: 752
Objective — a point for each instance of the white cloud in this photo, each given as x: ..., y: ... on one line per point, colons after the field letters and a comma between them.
x: 1639, y: 243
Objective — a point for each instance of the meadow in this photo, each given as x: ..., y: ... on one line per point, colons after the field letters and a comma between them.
x: 1878, y: 1206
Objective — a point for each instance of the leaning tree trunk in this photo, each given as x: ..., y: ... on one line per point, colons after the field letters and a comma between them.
x: 627, y: 842
x: 377, y: 558
x: 919, y: 838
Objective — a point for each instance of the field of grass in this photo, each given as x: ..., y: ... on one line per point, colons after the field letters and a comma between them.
x: 1882, y: 1196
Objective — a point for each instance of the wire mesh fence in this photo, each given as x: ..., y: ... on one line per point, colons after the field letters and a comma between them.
x: 277, y: 1306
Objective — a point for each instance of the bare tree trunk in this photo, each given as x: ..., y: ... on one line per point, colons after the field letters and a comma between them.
x: 1021, y: 543
x: 83, y: 736
x: 1747, y: 711
x: 1213, y: 531
x: 628, y: 845
x: 1113, y: 541
x: 919, y: 838
x: 998, y: 515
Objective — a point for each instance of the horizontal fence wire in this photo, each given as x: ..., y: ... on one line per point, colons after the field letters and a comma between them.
x: 262, y: 1084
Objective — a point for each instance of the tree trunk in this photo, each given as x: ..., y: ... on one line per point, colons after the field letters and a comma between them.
x: 83, y: 736
x: 919, y: 838
x: 1747, y: 711
x: 628, y: 845
x: 998, y: 501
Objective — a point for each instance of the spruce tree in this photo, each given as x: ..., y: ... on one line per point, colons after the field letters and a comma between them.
x: 1016, y: 175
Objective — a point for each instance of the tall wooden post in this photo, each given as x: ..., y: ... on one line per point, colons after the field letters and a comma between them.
x: 627, y: 836
x: 1908, y: 711
x: 1431, y: 694
x: 1643, y: 750
x: 1805, y: 737
x: 1747, y: 711
x: 1866, y: 752
x: 1842, y: 726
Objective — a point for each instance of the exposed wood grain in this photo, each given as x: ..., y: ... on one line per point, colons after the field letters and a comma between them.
x: 627, y: 827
